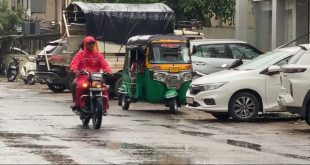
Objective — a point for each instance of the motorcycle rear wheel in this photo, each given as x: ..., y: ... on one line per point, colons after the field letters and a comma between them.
x: 12, y: 76
x: 97, y: 114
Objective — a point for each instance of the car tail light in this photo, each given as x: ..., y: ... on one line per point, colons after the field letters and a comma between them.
x: 294, y: 70
x: 57, y: 58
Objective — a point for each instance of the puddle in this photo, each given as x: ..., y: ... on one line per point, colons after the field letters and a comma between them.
x: 116, y: 115
x: 8, y: 135
x: 37, y: 146
x: 54, y: 157
x: 170, y: 160
x: 142, y: 121
x: 243, y: 144
x: 193, y: 133
x: 295, y: 156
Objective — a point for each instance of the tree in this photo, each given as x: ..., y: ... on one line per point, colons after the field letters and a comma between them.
x: 10, y: 20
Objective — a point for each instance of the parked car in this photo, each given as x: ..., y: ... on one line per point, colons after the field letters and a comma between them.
x: 54, y: 76
x: 242, y: 92
x: 213, y: 55
x: 295, y: 86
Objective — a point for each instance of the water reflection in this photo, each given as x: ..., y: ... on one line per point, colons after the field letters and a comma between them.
x: 243, y: 144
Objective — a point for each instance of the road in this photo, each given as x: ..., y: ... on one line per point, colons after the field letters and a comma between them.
x: 37, y: 126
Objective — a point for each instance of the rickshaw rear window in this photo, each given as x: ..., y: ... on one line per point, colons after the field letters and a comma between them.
x: 169, y: 53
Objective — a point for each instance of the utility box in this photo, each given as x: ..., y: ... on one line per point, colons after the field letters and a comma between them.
x: 31, y: 28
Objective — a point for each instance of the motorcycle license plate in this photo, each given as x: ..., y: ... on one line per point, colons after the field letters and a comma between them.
x: 190, y: 100
x: 13, y: 67
x: 42, y: 63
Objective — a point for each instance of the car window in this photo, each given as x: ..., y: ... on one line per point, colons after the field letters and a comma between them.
x: 211, y: 51
x: 263, y: 60
x: 302, y: 58
x: 305, y: 59
x: 243, y: 51
x: 297, y: 57
x: 282, y: 62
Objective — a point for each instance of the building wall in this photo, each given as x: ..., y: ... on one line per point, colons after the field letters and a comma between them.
x: 52, y: 14
x: 277, y: 22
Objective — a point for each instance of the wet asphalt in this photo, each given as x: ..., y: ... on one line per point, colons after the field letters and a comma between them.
x: 38, y: 127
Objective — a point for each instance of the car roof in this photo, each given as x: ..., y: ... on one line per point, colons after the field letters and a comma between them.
x: 214, y: 41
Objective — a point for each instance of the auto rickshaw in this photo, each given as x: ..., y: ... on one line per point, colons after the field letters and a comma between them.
x: 157, y: 69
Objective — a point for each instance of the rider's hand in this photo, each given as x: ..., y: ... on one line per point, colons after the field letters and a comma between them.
x: 76, y: 72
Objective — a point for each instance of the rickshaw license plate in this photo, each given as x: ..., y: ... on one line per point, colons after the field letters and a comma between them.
x: 41, y: 63
x: 174, y: 69
x: 190, y: 100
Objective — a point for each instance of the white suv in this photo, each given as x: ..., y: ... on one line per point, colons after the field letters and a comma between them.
x: 295, y: 82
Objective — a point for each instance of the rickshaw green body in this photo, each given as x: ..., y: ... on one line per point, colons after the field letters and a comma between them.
x: 142, y: 84
x: 147, y: 90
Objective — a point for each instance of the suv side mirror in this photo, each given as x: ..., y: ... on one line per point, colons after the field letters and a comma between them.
x: 274, y: 69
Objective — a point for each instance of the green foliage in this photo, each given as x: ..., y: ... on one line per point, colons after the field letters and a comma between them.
x: 202, y: 10
x: 9, y: 20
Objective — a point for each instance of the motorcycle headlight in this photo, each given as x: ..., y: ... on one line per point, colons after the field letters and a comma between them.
x: 96, y: 84
x: 209, y: 87
x: 85, y: 85
x: 159, y: 77
x: 187, y: 77
x: 32, y: 67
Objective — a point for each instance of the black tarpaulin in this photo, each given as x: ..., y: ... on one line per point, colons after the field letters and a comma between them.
x: 117, y: 22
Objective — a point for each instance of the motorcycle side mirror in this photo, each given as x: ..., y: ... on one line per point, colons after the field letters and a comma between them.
x: 224, y: 65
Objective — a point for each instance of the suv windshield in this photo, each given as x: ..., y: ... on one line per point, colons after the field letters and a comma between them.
x: 169, y: 53
x: 263, y: 60
x: 297, y: 57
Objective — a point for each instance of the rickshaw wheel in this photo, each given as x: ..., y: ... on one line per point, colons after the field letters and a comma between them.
x: 173, y: 105
x: 124, y: 102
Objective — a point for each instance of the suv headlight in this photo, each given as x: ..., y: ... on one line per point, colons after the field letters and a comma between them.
x: 187, y: 76
x: 209, y: 87
x: 159, y: 76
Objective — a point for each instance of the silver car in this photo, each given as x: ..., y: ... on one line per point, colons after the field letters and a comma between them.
x: 213, y: 55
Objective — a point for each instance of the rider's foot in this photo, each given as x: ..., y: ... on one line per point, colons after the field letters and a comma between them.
x: 104, y: 113
x: 75, y: 109
x: 73, y: 106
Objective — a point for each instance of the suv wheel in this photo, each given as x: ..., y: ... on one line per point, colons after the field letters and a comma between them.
x: 307, y: 118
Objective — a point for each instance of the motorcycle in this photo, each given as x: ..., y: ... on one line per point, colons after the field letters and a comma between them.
x: 2, y: 68
x: 13, y: 69
x: 28, y: 71
x: 94, y: 100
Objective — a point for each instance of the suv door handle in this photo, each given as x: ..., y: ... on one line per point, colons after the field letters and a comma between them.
x: 200, y: 63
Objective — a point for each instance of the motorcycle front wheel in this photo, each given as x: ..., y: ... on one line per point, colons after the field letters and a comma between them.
x: 31, y: 80
x: 97, y: 113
